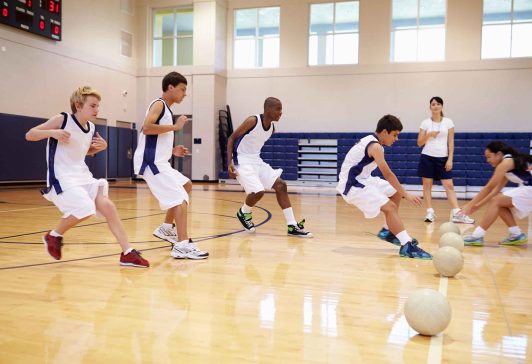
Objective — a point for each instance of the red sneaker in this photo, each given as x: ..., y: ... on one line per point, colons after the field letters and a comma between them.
x: 133, y: 259
x: 53, y: 245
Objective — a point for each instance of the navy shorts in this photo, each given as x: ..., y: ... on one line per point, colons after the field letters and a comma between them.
x: 433, y: 167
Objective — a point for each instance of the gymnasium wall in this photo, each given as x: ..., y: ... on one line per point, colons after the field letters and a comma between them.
x: 479, y: 95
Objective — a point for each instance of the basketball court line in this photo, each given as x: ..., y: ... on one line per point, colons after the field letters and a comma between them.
x: 436, y: 341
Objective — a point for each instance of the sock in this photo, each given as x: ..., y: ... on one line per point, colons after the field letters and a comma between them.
x: 167, y: 226
x: 245, y: 209
x: 430, y: 209
x: 403, y: 237
x: 128, y: 251
x: 479, y: 232
x: 514, y: 230
x: 289, y: 216
x: 55, y: 233
x: 183, y: 241
x: 455, y: 211
x: 385, y: 225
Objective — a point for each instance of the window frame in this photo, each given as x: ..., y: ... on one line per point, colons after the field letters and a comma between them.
x: 175, y: 36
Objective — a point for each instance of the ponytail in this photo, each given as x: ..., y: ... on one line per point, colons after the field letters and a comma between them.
x: 521, y: 160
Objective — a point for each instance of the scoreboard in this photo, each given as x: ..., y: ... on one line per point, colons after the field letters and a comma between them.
x: 41, y: 17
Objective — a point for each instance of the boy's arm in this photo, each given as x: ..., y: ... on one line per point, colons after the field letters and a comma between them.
x: 49, y: 129
x: 497, y: 181
x: 247, y: 125
x: 97, y: 145
x: 376, y: 151
x: 150, y: 128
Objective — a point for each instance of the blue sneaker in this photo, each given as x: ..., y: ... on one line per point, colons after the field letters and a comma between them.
x: 520, y: 239
x: 412, y: 250
x: 387, y: 235
x: 470, y: 240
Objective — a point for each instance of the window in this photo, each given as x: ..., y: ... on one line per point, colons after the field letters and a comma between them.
x: 172, y: 37
x: 507, y: 29
x: 256, y: 38
x: 333, y: 33
x: 418, y: 30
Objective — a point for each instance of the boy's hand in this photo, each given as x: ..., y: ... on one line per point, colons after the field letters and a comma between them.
x: 98, y: 143
x: 180, y: 122
x: 180, y: 151
x: 414, y: 200
x: 232, y: 170
x: 61, y: 135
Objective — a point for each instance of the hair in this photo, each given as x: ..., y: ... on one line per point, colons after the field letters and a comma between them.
x: 389, y: 123
x: 521, y: 160
x: 270, y: 101
x: 79, y: 96
x: 439, y: 100
x: 174, y: 79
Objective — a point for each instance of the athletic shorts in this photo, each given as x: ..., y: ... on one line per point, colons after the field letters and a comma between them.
x: 79, y: 201
x: 521, y: 199
x: 257, y: 177
x: 167, y: 187
x: 372, y: 197
x: 433, y: 167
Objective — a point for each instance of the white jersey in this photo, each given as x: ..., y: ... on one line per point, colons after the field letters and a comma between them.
x: 155, y: 151
x: 522, y: 178
x: 437, y: 147
x: 249, y: 145
x: 357, y: 165
x: 66, y: 161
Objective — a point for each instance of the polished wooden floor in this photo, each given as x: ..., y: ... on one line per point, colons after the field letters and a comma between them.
x: 259, y: 298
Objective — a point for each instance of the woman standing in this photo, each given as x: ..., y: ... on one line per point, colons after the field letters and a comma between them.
x: 436, y: 136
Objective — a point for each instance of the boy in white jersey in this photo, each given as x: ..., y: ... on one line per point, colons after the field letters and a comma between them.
x: 510, y: 165
x: 253, y: 173
x: 151, y: 161
x: 71, y: 186
x: 372, y: 194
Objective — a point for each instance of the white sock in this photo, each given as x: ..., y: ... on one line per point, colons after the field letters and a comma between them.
x: 455, y: 211
x: 183, y: 241
x: 128, y: 251
x: 245, y: 209
x: 289, y: 216
x: 404, y: 237
x: 514, y: 230
x: 167, y: 226
x: 430, y: 209
x: 479, y: 232
x: 55, y: 233
x: 385, y: 225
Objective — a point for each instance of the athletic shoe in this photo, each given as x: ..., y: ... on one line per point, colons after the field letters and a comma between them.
x: 520, y: 239
x: 299, y: 230
x: 470, y: 240
x: 188, y: 251
x: 133, y: 259
x: 168, y: 234
x: 387, y: 235
x: 412, y: 250
x: 53, y: 245
x: 462, y: 219
x: 245, y: 220
x: 430, y: 217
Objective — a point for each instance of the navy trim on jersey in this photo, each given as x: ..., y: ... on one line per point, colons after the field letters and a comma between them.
x: 150, y: 146
x: 237, y: 142
x: 80, y: 126
x: 262, y: 123
x: 355, y: 171
x: 524, y: 176
x: 52, y: 148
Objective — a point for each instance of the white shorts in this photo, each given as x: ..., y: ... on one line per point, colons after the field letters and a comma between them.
x: 257, y: 177
x: 372, y: 197
x: 521, y: 199
x: 167, y: 187
x: 79, y: 201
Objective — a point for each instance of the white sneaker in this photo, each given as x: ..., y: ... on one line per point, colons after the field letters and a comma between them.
x: 188, y: 251
x: 168, y: 234
x: 462, y: 219
x: 430, y: 217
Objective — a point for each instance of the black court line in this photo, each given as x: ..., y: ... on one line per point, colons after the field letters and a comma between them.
x: 209, y: 237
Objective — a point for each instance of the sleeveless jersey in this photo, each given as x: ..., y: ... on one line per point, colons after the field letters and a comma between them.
x: 249, y: 145
x: 357, y: 165
x: 522, y: 178
x: 66, y: 161
x: 155, y: 151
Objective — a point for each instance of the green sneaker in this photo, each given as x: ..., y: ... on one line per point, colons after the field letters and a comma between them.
x: 470, y: 240
x: 520, y: 239
x: 299, y: 230
x: 245, y: 220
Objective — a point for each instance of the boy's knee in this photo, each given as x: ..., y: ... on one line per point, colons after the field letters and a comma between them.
x: 390, y: 206
x: 188, y: 186
x: 280, y: 185
x: 257, y: 194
